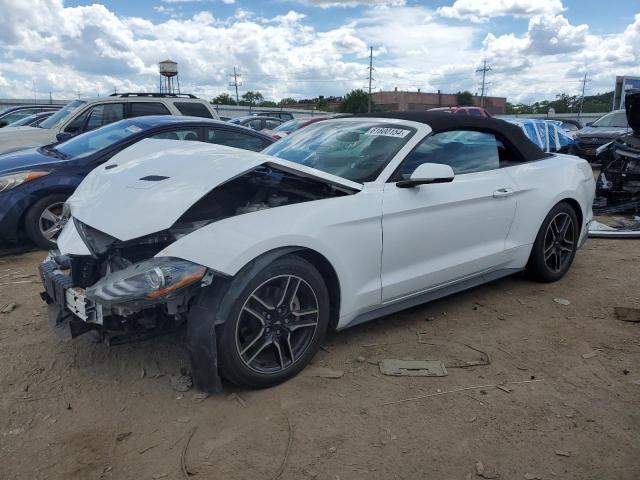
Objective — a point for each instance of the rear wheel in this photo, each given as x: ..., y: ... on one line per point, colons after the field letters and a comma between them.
x: 275, y: 325
x: 556, y: 244
x: 44, y: 221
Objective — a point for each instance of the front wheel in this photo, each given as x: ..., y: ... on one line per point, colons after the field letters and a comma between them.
x: 276, y: 324
x: 556, y: 244
x: 44, y: 221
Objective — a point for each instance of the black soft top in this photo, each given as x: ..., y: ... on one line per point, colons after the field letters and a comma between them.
x: 442, y: 122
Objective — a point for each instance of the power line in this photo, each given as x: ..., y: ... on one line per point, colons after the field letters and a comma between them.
x: 484, y: 71
x: 584, y: 84
x: 370, y: 77
x: 235, y: 83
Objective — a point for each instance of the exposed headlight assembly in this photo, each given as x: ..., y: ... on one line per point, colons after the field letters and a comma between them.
x: 146, y: 282
x: 8, y: 182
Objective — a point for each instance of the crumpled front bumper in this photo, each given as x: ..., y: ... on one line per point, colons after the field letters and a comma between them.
x: 70, y: 314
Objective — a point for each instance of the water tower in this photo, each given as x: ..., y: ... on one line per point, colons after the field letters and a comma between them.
x: 169, y: 79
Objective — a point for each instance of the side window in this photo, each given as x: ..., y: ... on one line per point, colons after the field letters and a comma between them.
x: 465, y: 151
x: 140, y: 109
x: 190, y: 134
x: 193, y: 109
x: 104, y: 114
x: 235, y: 139
x: 255, y: 124
x: 271, y: 124
x: 77, y: 124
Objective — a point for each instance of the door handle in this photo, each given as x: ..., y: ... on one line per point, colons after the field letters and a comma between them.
x: 503, y: 192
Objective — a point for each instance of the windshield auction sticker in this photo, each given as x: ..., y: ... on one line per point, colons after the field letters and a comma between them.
x: 387, y: 132
x: 133, y: 129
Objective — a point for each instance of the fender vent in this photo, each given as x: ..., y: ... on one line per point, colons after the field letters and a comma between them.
x: 154, y: 178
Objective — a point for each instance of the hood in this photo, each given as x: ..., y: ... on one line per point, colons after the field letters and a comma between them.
x: 601, y: 132
x: 632, y: 107
x: 12, y: 139
x: 147, y: 187
x: 26, y: 159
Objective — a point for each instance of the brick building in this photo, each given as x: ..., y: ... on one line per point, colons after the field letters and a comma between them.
x: 420, y: 101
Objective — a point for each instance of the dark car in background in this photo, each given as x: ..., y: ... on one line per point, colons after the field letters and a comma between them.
x: 604, y: 130
x: 257, y: 122
x: 296, y: 124
x: 35, y: 182
x: 474, y: 111
x: 32, y: 120
x: 569, y: 125
x: 12, y: 114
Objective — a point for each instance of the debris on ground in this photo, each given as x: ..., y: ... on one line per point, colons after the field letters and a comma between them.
x: 122, y: 436
x: 181, y: 383
x: 589, y: 355
x: 562, y: 301
x: 420, y: 397
x: 283, y: 465
x: 8, y: 307
x: 199, y: 397
x: 504, y: 388
x: 531, y: 476
x: 183, y: 458
x: 485, y: 359
x: 562, y: 453
x: 413, y: 368
x: 627, y: 314
x: 238, y: 398
x: 322, y: 372
x: 482, y: 471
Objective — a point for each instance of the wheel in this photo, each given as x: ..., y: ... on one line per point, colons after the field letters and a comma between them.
x: 44, y: 222
x: 555, y: 246
x: 275, y: 324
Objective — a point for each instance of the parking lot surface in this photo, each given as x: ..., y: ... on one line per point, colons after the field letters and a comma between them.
x: 85, y: 410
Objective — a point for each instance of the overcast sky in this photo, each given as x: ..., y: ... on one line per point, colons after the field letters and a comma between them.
x: 306, y: 48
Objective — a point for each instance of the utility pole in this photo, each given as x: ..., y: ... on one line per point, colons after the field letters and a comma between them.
x: 235, y: 83
x: 484, y: 71
x: 584, y: 84
x: 370, y: 77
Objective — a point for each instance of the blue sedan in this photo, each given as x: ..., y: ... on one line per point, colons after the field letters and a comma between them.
x: 35, y: 183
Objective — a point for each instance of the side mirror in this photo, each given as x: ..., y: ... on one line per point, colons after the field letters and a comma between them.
x: 3, y: 123
x: 428, y: 173
x: 588, y: 124
x: 63, y: 136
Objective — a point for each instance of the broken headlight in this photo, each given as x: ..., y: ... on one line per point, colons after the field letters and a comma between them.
x: 148, y: 281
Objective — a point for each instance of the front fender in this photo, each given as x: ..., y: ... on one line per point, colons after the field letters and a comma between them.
x: 346, y: 231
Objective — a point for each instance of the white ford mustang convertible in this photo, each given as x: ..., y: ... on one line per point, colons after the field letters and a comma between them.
x: 345, y: 221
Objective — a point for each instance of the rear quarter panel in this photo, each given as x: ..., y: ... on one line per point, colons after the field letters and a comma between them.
x: 540, y: 185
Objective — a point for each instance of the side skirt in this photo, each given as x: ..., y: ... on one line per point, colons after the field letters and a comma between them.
x: 430, y: 295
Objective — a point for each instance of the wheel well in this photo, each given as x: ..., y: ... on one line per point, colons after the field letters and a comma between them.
x: 576, y: 208
x: 330, y: 277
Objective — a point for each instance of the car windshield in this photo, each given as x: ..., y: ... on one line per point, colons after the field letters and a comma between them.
x: 61, y: 115
x: 23, y: 121
x: 617, y: 119
x: 291, y: 125
x: 355, y: 150
x: 95, y: 140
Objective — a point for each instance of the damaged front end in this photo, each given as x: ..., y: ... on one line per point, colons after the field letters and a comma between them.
x: 127, y: 290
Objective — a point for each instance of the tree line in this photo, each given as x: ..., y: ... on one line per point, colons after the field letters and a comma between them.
x: 564, y: 103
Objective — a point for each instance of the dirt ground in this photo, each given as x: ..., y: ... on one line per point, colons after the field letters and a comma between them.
x: 84, y: 410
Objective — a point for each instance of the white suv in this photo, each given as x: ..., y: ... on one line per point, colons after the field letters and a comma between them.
x: 80, y: 116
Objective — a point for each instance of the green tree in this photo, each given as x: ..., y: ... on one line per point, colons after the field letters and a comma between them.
x: 267, y: 103
x: 322, y: 104
x: 224, y: 99
x: 355, y: 101
x: 287, y: 101
x: 251, y: 98
x: 464, y: 99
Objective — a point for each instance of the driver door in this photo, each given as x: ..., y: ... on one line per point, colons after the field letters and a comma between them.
x: 437, y: 234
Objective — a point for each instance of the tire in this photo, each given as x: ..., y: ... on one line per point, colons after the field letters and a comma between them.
x: 37, y: 222
x: 271, y: 331
x: 556, y: 244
